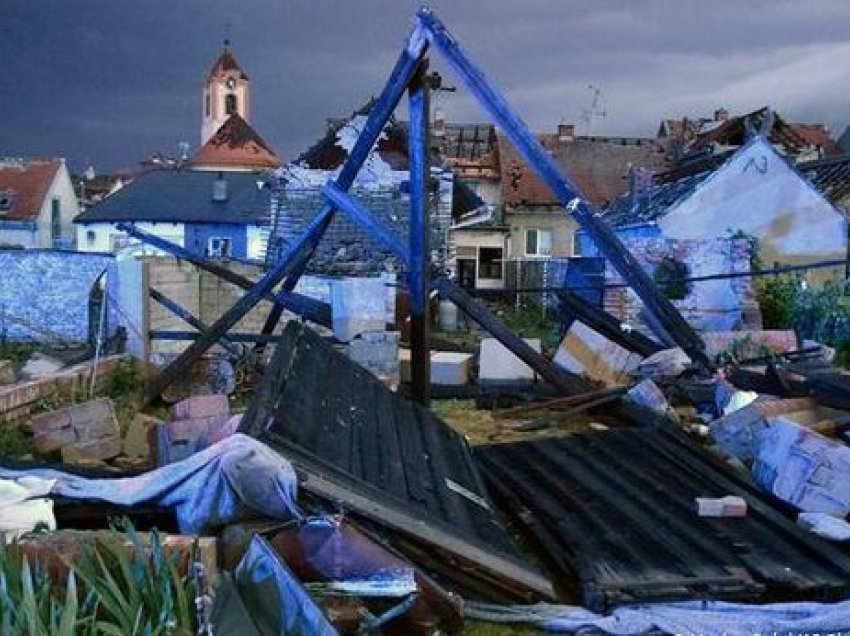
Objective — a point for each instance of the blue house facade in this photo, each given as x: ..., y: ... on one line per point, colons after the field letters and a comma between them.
x: 213, y: 214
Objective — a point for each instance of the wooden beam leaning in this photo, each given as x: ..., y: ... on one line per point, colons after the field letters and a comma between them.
x: 565, y: 191
x: 180, y: 366
x: 300, y: 251
x: 190, y: 319
x: 601, y: 321
x: 362, y: 217
x: 561, y: 380
x: 312, y: 309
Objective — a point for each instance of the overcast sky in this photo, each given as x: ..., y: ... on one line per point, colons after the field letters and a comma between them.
x: 108, y: 82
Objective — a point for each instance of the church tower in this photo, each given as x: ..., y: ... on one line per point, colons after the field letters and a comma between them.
x: 226, y: 92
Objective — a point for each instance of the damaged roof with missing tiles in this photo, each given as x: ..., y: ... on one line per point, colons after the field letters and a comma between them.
x: 24, y: 183
x: 235, y: 145
x: 830, y: 176
x: 598, y: 166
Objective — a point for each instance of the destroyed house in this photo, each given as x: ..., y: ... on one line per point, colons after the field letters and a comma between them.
x: 383, y: 187
x: 754, y: 192
x: 698, y: 142
x: 214, y: 214
x: 599, y: 166
x: 478, y: 234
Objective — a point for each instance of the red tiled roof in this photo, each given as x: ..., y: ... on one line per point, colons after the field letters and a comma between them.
x: 25, y: 183
x: 817, y: 135
x: 226, y: 63
x: 598, y: 166
x: 235, y: 145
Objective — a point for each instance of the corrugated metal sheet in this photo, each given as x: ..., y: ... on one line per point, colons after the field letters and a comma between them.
x: 614, y: 511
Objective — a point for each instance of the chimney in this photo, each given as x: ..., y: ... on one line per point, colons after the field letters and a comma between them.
x: 439, y: 123
x: 566, y: 132
x: 219, y: 193
x: 640, y: 183
x: 721, y: 114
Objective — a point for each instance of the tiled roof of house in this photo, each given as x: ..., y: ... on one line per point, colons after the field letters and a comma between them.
x: 653, y: 204
x: 23, y: 185
x: 183, y: 196
x: 225, y: 64
x: 599, y: 167
x: 830, y: 176
x: 235, y: 145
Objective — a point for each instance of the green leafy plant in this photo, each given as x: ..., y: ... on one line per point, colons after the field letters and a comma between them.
x: 123, y: 592
x: 777, y: 299
x: 138, y: 593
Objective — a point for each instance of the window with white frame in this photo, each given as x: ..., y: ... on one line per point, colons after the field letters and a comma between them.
x: 219, y: 247
x: 538, y: 242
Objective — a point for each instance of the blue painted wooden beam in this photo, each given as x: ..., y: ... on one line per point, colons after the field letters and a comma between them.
x: 294, y: 258
x: 361, y: 216
x: 419, y: 265
x: 378, y: 116
x: 310, y: 308
x: 564, y: 189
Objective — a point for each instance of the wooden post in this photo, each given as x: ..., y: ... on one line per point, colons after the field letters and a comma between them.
x: 418, y: 271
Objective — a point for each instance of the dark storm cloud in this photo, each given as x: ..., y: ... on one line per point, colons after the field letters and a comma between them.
x: 110, y: 81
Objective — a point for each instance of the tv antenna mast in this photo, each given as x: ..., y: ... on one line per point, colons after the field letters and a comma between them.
x: 595, y: 111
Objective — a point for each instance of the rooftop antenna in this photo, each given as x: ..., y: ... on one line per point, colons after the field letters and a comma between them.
x: 595, y: 111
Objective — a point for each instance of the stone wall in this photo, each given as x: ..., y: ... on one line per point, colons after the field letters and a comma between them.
x: 717, y: 305
x: 44, y: 294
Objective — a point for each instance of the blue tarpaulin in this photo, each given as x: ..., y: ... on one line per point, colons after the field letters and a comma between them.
x: 232, y: 480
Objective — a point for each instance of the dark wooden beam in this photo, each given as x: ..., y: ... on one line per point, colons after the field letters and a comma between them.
x: 563, y: 381
x: 190, y: 319
x: 420, y: 263
x: 310, y: 308
x: 601, y: 321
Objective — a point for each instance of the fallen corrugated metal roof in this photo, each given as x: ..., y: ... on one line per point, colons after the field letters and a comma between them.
x: 615, y: 513
x: 356, y: 443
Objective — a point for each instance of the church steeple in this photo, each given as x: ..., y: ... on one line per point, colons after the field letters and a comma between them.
x: 226, y: 92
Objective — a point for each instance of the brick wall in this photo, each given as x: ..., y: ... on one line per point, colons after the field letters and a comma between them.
x: 709, y: 306
x: 17, y: 401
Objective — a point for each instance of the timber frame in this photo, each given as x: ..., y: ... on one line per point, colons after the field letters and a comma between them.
x: 409, y: 75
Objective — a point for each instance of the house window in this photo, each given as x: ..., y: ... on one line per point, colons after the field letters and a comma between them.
x: 490, y: 262
x: 207, y: 104
x: 538, y: 242
x: 576, y: 244
x: 118, y: 241
x: 230, y: 103
x: 90, y: 237
x: 55, y: 219
x: 219, y: 247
